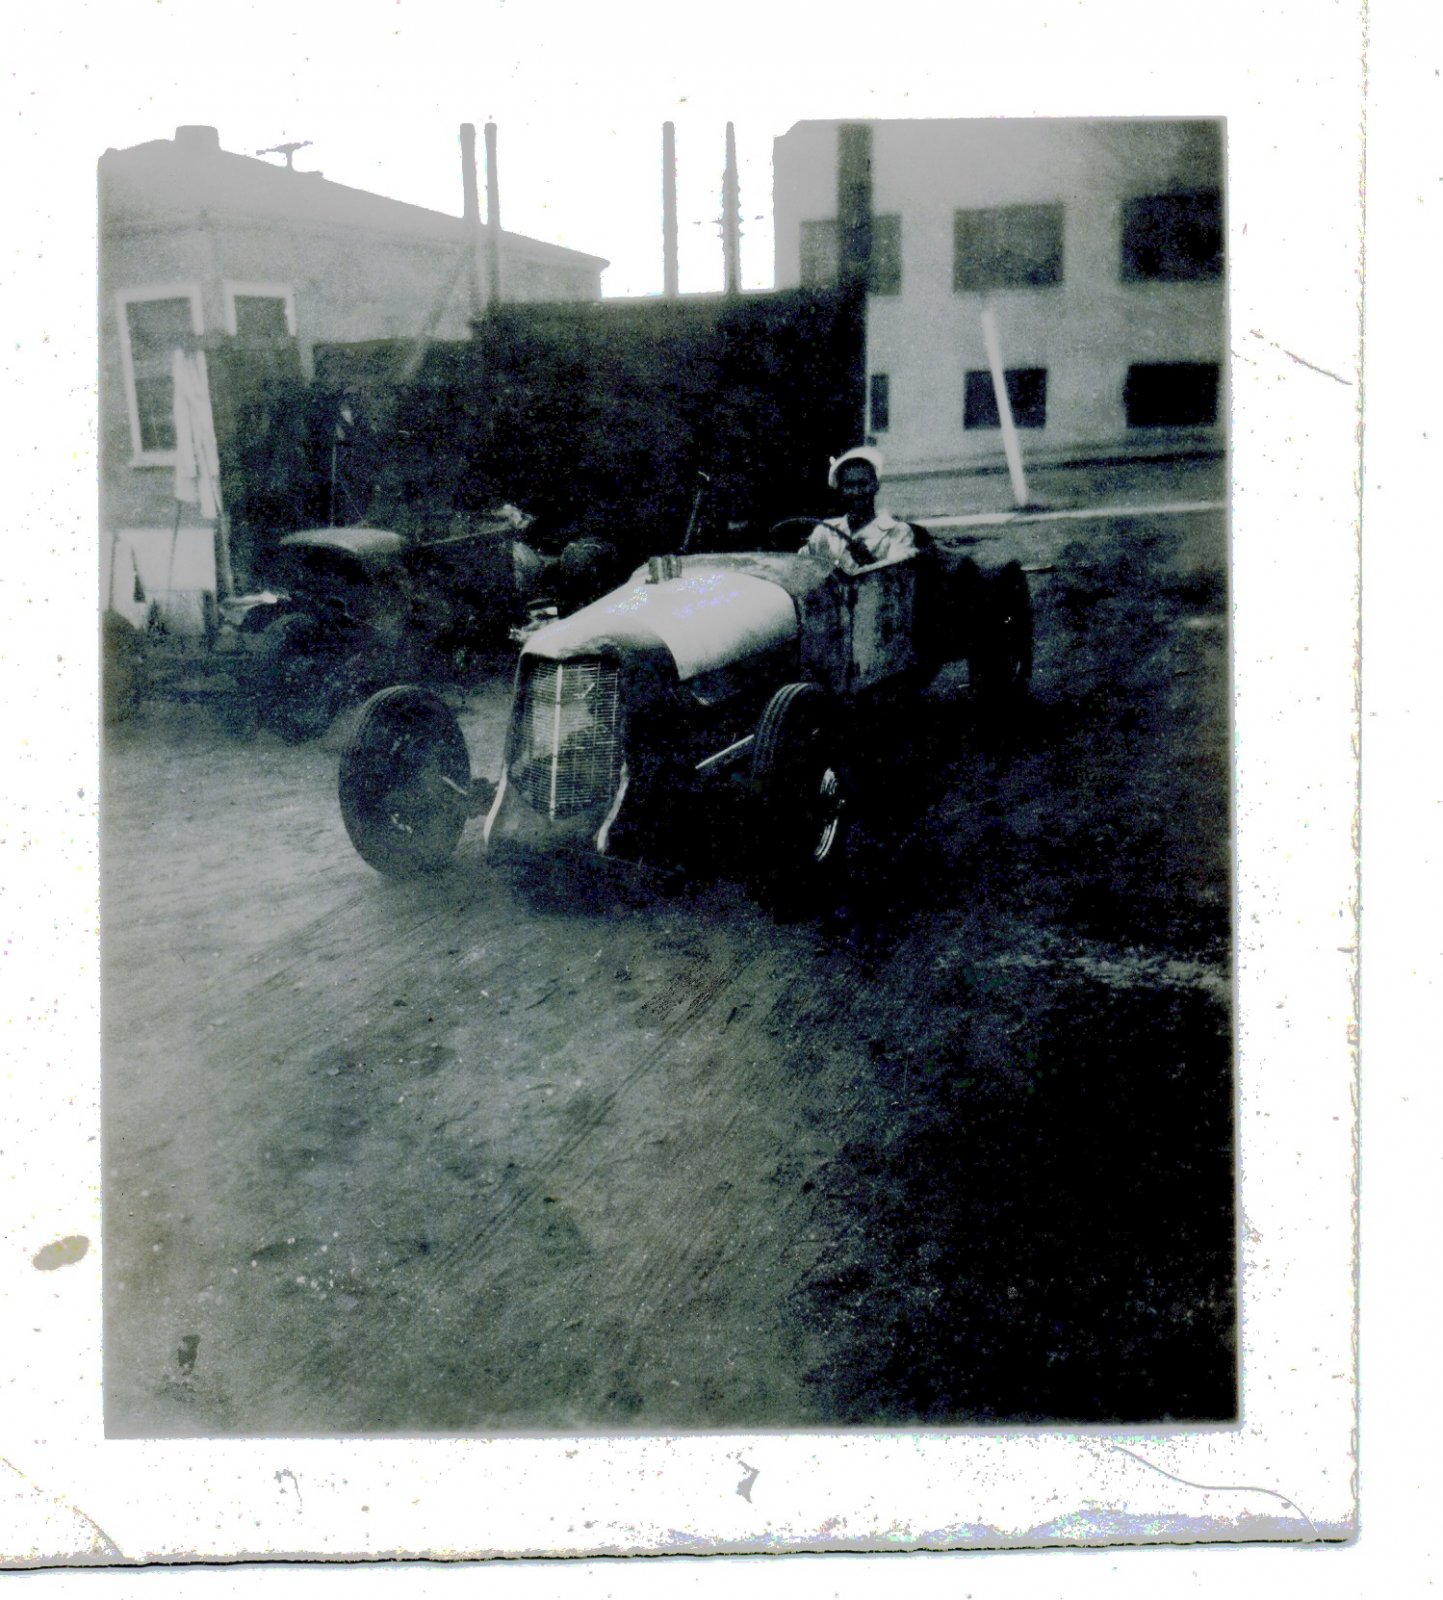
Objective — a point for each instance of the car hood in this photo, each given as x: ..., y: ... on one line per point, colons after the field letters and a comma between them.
x: 359, y: 542
x: 712, y: 613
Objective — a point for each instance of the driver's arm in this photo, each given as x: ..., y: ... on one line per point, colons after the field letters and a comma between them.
x: 842, y: 549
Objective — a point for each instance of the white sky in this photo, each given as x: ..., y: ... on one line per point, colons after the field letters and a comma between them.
x: 382, y: 87
x: 579, y: 94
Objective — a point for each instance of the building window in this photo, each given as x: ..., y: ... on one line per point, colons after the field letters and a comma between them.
x: 821, y: 259
x: 260, y: 310
x: 1026, y: 394
x: 154, y: 324
x: 1008, y: 247
x: 879, y: 402
x: 1171, y: 394
x: 822, y: 255
x: 1173, y: 238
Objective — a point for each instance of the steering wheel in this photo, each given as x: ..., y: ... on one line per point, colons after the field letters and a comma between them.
x: 791, y: 532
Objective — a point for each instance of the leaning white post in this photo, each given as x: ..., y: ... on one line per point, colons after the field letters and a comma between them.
x: 1004, y: 408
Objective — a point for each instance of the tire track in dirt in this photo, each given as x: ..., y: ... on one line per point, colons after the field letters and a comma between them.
x: 722, y: 1068
x: 476, y: 1257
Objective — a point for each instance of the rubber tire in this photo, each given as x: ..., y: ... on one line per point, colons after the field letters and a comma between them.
x: 292, y: 680
x: 800, y: 797
x: 401, y: 818
x: 999, y: 664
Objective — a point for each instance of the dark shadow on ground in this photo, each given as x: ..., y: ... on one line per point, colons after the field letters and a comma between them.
x: 1052, y: 1243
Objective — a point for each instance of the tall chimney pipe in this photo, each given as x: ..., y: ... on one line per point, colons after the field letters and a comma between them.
x: 471, y: 214
x: 670, y: 277
x: 493, y: 220
x: 731, y: 217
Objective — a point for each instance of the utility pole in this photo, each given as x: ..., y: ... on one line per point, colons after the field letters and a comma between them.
x: 472, y: 216
x: 493, y: 221
x: 670, y: 279
x: 731, y: 218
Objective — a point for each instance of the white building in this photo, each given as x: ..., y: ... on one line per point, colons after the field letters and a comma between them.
x: 1098, y: 245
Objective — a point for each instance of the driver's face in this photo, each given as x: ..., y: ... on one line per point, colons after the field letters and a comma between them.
x: 857, y: 484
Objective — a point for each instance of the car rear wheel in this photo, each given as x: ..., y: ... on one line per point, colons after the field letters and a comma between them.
x: 405, y: 782
x: 800, y: 795
x: 1000, y: 661
x: 293, y: 681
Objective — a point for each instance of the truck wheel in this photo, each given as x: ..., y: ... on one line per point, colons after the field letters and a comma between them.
x: 800, y: 794
x: 405, y: 782
x: 292, y: 678
x: 1000, y: 661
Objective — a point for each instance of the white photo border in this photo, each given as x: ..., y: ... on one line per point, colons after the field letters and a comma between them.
x: 1288, y: 79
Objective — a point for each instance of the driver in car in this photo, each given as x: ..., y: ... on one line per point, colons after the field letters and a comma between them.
x: 862, y: 536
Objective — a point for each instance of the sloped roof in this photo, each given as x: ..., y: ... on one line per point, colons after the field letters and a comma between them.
x: 167, y: 181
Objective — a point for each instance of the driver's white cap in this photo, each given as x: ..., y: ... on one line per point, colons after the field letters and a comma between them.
x: 863, y: 452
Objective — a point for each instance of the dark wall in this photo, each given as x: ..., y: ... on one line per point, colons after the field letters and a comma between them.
x: 270, y: 438
x: 597, y: 418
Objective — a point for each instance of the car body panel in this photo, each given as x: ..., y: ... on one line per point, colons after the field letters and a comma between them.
x: 857, y: 627
x: 711, y: 613
x: 707, y: 617
x: 689, y: 651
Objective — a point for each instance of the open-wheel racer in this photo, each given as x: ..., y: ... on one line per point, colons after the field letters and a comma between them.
x: 744, y: 670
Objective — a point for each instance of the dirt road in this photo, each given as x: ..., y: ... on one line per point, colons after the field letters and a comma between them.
x: 490, y: 1153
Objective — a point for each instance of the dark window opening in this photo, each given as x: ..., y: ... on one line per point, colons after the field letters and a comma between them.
x: 1173, y: 238
x: 1026, y: 394
x: 821, y: 263
x: 1009, y: 247
x: 880, y: 402
x: 1171, y: 394
x: 261, y: 317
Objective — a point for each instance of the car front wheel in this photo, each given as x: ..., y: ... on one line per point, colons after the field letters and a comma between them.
x: 801, y: 799
x: 405, y: 782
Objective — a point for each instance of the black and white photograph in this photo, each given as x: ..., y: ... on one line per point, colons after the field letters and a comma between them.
x: 798, y: 992
x: 673, y: 806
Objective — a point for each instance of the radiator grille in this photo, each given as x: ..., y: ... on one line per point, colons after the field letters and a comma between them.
x: 568, y: 753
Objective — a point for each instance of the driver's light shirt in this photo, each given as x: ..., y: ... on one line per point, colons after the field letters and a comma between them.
x: 884, y: 538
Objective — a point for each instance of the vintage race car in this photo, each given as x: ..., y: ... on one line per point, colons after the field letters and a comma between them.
x: 747, y: 670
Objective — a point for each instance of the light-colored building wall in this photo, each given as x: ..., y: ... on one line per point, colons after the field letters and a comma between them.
x: 184, y: 217
x: 1085, y: 330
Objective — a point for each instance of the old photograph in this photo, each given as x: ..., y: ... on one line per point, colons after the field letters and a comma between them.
x: 666, y: 856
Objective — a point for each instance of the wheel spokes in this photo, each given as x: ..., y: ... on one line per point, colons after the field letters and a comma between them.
x: 826, y: 814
